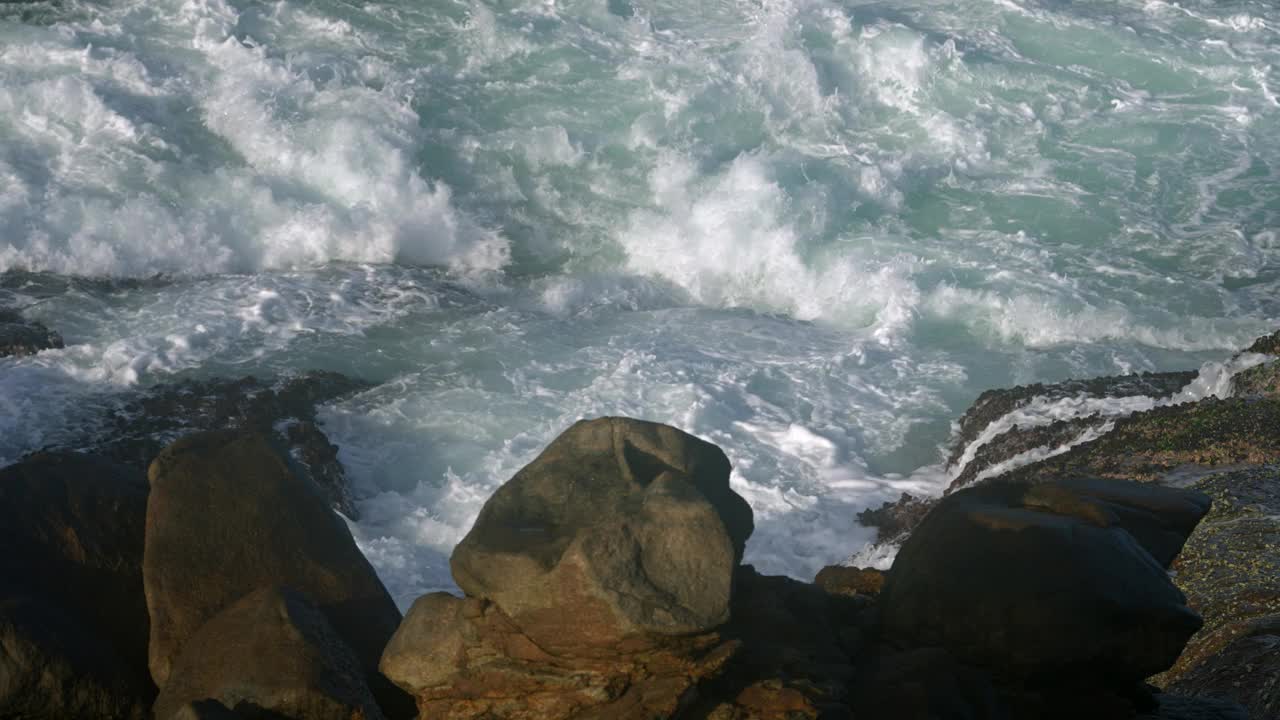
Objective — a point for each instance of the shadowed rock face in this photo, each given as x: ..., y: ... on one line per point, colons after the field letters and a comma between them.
x: 283, y: 410
x: 1058, y: 579
x: 73, y: 620
x: 272, y: 651
x: 619, y: 528
x: 225, y: 517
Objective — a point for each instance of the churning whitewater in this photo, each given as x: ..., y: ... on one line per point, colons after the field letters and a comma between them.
x: 809, y: 231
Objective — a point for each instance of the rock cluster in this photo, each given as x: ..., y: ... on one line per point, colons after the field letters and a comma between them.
x: 605, y: 581
x: 1225, y: 448
x: 595, y: 580
x: 227, y: 583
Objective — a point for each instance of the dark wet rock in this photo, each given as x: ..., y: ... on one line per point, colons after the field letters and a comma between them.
x: 283, y: 410
x: 1246, y: 670
x: 1230, y: 572
x: 619, y: 528
x: 1267, y: 344
x: 21, y: 336
x: 56, y: 665
x: 272, y: 651
x: 923, y: 684
x: 1022, y: 439
x: 73, y: 621
x: 1259, y: 381
x: 994, y: 404
x: 1149, y: 445
x: 203, y: 710
x: 1047, y: 580
x: 227, y: 516
x: 845, y: 580
x: 798, y: 648
x: 1177, y: 707
x: 895, y: 520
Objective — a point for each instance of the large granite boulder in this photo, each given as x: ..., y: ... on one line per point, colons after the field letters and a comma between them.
x: 619, y: 528
x: 225, y: 517
x: 1063, y: 579
x: 270, y: 653
x: 73, y: 620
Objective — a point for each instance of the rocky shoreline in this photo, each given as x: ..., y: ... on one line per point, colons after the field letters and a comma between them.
x: 188, y: 563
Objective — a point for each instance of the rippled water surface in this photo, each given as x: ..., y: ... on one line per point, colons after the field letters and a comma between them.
x: 809, y: 231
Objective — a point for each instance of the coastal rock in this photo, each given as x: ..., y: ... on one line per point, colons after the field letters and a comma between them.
x: 1148, y: 446
x: 786, y: 654
x: 1230, y: 572
x: 992, y: 405
x: 1019, y: 445
x: 845, y: 580
x: 1057, y: 579
x: 798, y: 650
x: 73, y: 620
x: 1267, y: 344
x: 1260, y: 381
x: 56, y: 665
x: 619, y: 528
x: 20, y: 336
x: 466, y: 658
x: 1246, y: 670
x: 204, y: 710
x: 272, y: 651
x: 226, y: 516
x: 895, y: 520
x: 283, y: 410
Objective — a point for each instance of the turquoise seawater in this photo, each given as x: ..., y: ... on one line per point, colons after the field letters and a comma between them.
x: 809, y: 231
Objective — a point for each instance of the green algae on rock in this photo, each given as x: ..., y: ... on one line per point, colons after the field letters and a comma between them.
x: 1230, y: 572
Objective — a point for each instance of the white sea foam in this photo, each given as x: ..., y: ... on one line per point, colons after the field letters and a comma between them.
x: 807, y: 231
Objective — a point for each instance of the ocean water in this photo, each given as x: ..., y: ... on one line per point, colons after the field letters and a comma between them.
x: 809, y: 231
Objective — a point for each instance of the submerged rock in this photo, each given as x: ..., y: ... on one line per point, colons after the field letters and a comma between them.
x: 283, y: 410
x: 274, y: 652
x: 20, y: 336
x: 73, y: 620
x: 619, y: 528
x: 1063, y: 579
x: 226, y: 516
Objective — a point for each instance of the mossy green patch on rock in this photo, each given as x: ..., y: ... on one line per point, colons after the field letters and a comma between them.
x: 1230, y: 573
x: 1146, y: 446
x: 1260, y: 381
x: 1268, y: 344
